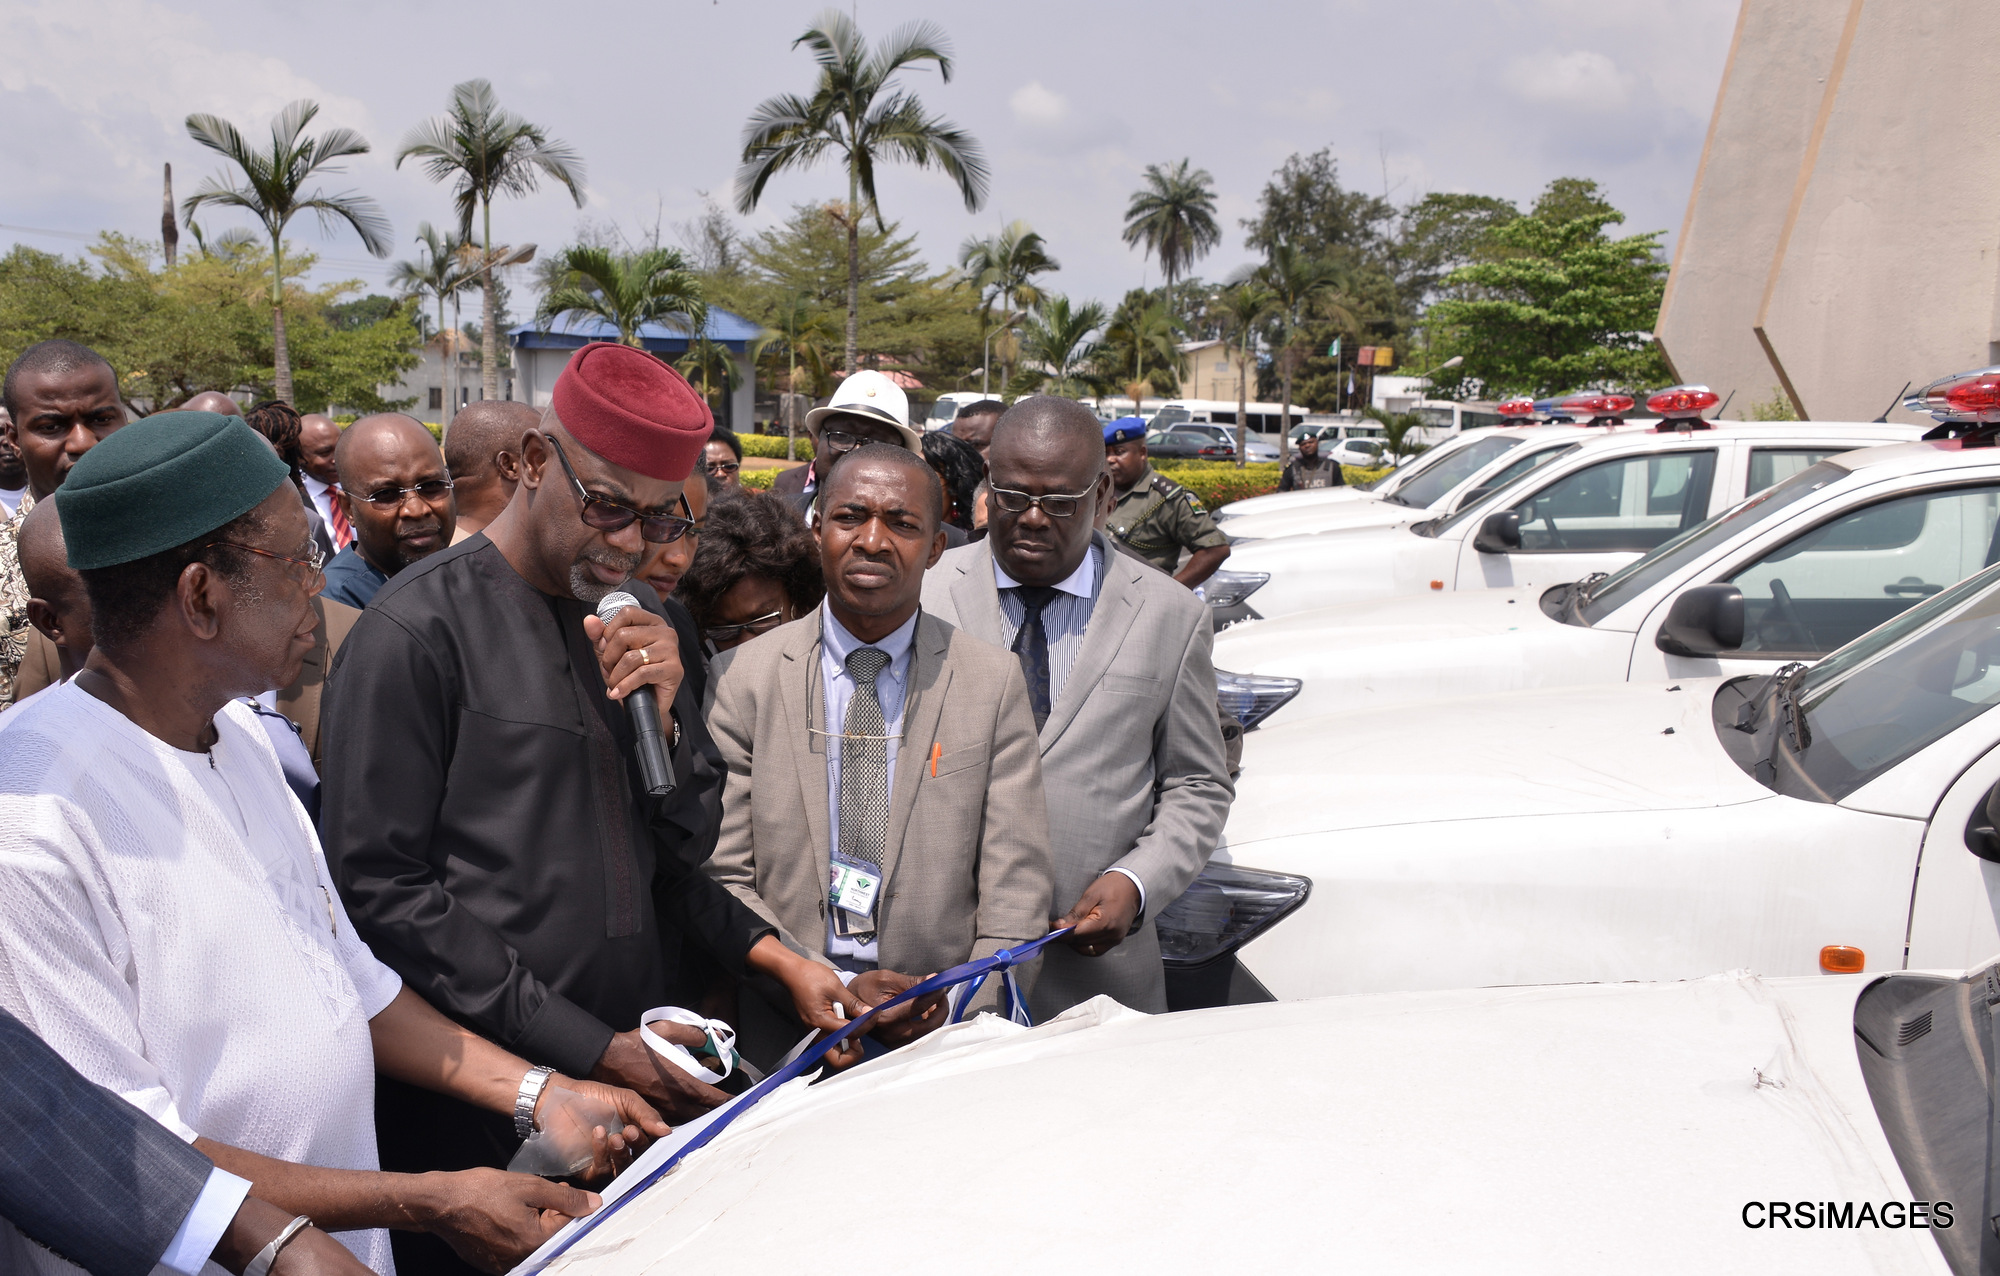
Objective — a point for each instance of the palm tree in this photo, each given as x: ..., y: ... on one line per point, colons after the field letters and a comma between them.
x: 487, y: 151
x: 1142, y: 327
x: 1245, y: 305
x: 1002, y: 269
x: 709, y: 362
x: 803, y: 331
x: 1058, y: 337
x: 271, y: 192
x: 438, y: 274
x: 626, y: 290
x: 1173, y: 215
x: 853, y: 112
x: 1301, y: 286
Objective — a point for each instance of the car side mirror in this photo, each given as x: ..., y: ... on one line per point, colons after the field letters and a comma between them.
x: 1704, y: 621
x: 1499, y: 534
x: 1980, y: 835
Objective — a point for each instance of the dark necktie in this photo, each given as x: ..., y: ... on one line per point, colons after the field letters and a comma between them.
x: 1031, y: 644
x: 864, y: 763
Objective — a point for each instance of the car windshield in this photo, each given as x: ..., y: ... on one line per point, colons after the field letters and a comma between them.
x: 1168, y: 418
x: 1890, y: 693
x: 1432, y: 485
x: 1635, y: 578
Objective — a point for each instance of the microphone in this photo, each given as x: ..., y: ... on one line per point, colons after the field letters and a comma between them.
x: 655, y: 768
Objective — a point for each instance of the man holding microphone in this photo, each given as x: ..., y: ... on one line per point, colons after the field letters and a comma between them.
x: 485, y: 814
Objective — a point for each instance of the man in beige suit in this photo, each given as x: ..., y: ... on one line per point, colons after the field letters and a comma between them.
x: 884, y: 803
x: 1118, y: 668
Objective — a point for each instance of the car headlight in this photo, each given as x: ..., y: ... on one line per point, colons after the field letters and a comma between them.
x: 1252, y: 697
x: 1226, y: 588
x: 1225, y: 908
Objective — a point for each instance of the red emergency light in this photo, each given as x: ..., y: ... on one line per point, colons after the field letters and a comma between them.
x: 1965, y: 398
x: 1682, y: 401
x: 1517, y: 411
x: 1586, y: 408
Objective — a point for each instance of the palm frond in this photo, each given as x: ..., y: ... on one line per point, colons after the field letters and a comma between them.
x: 913, y: 42
x: 358, y: 211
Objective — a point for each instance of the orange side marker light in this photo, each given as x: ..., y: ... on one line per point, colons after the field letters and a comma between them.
x: 1841, y: 959
x: 1437, y: 584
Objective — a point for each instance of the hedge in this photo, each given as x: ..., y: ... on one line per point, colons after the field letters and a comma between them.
x: 1214, y: 483
x: 758, y: 480
x: 772, y: 446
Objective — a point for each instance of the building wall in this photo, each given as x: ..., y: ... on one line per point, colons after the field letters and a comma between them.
x: 1210, y: 373
x: 1884, y: 264
x: 538, y: 367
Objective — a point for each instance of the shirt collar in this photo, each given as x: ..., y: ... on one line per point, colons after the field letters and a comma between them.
x: 1082, y: 582
x: 316, y: 487
x: 840, y: 644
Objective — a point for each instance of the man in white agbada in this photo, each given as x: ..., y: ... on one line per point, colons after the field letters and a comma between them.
x: 166, y: 919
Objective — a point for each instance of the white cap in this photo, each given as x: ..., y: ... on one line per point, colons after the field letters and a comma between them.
x: 875, y: 396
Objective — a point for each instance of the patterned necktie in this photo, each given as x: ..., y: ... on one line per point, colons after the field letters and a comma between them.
x: 864, y: 763
x: 342, y: 533
x: 1031, y: 644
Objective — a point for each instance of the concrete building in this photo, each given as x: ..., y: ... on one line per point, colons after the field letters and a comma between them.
x: 434, y: 382
x: 1841, y: 238
x: 1209, y: 370
x: 540, y: 356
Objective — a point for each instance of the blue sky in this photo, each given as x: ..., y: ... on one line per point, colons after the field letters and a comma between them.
x: 1071, y: 100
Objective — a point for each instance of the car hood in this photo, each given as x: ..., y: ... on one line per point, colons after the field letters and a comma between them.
x: 1422, y: 646
x: 1333, y: 568
x: 1325, y: 517
x: 1618, y: 747
x: 1578, y: 1128
x: 1272, y: 501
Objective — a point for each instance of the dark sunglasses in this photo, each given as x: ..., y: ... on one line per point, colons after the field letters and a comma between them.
x: 763, y: 624
x: 430, y: 490
x: 607, y: 515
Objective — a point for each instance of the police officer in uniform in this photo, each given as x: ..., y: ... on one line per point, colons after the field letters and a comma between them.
x: 1308, y: 469
x: 1153, y: 517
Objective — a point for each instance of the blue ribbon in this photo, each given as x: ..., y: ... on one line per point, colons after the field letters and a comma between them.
x: 973, y: 973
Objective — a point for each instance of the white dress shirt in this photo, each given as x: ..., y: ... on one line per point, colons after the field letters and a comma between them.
x: 838, y: 692
x: 322, y: 499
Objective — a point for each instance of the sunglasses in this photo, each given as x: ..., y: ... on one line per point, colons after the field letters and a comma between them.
x: 842, y: 441
x: 764, y: 624
x: 431, y: 491
x: 607, y: 515
x: 722, y: 467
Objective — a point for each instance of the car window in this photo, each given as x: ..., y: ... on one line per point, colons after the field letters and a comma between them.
x: 1828, y: 586
x: 1512, y: 471
x: 1773, y: 465
x: 1631, y: 504
x: 1637, y: 577
x: 1430, y: 487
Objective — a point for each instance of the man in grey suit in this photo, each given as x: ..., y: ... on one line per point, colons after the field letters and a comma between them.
x: 901, y: 826
x: 1116, y: 657
x: 106, y: 1186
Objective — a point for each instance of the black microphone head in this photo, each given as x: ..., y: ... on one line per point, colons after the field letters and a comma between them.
x: 613, y: 603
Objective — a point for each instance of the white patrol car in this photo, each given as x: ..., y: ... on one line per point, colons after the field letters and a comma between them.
x: 1595, y: 509
x: 1788, y: 574
x: 1731, y: 1124
x: 1645, y: 830
x: 1271, y: 502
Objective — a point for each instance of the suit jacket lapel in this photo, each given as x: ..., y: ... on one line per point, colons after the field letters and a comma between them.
x: 976, y: 597
x: 803, y: 752
x: 923, y: 705
x: 1110, y: 620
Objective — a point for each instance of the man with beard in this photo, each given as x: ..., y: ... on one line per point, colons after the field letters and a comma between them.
x: 397, y: 497
x: 483, y: 814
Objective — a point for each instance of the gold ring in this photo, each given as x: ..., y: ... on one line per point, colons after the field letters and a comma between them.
x: 644, y: 659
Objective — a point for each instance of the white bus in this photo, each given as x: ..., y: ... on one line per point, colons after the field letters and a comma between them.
x: 1265, y: 418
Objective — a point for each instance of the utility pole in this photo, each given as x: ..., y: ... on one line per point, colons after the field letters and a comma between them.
x: 170, y: 236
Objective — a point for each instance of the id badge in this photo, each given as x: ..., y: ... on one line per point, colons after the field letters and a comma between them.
x: 854, y: 887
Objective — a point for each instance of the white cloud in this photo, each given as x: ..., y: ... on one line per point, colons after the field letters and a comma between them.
x: 1581, y: 78
x: 1039, y: 107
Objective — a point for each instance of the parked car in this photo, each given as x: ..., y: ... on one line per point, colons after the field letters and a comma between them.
x: 1619, y: 494
x: 1787, y: 574
x: 1188, y: 445
x: 1643, y: 830
x: 1254, y: 447
x: 1273, y: 501
x: 1632, y: 1128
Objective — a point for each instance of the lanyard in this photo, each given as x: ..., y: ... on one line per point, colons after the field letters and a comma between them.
x: 972, y: 974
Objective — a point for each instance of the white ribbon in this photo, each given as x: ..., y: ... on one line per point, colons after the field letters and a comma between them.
x: 721, y: 1039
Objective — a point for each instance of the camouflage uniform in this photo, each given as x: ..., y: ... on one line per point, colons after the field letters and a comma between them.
x: 13, y: 602
x: 1158, y: 518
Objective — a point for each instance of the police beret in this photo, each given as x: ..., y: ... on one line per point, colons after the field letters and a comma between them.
x: 1125, y: 429
x: 161, y: 482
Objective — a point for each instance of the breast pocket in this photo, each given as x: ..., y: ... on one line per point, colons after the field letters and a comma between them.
x: 1125, y: 684
x: 952, y: 761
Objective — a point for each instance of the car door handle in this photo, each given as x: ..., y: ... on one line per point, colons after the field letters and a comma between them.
x: 1918, y: 588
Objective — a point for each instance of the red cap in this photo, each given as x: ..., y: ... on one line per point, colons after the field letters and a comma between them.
x: 632, y: 410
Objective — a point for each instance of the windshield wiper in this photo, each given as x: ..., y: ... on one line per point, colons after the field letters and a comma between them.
x: 1579, y: 594
x: 1785, y: 690
x: 1391, y: 496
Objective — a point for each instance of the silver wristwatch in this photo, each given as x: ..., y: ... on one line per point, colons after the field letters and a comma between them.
x: 524, y: 1102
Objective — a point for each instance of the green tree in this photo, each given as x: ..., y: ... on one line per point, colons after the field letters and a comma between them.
x: 1304, y: 205
x: 627, y: 290
x: 1245, y: 306
x: 1002, y: 268
x: 1561, y: 305
x: 442, y: 273
x: 486, y: 151
x: 1442, y: 233
x: 1301, y: 287
x: 1057, y: 336
x: 272, y: 191
x: 1173, y: 216
x: 855, y: 113
x: 1141, y: 348
x: 1396, y: 430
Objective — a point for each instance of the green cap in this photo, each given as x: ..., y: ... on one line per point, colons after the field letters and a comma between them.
x: 162, y: 481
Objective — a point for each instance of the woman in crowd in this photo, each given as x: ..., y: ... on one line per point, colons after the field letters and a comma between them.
x: 723, y: 458
x: 664, y: 565
x: 757, y: 567
x: 958, y: 465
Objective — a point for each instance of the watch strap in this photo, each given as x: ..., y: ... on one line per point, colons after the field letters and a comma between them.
x: 524, y: 1102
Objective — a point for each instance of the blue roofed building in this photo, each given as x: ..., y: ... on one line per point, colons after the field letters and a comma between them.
x: 540, y: 354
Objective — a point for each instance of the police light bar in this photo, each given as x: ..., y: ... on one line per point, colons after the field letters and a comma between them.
x: 1592, y: 408
x: 1964, y: 398
x: 1681, y: 401
x: 1517, y: 411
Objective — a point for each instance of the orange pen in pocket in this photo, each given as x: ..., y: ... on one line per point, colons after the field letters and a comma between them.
x: 937, y: 751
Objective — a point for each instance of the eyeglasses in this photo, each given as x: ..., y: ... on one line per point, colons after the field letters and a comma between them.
x: 842, y: 441
x: 387, y: 498
x: 607, y: 515
x: 1055, y: 506
x: 764, y: 624
x: 315, y: 566
x: 722, y: 467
